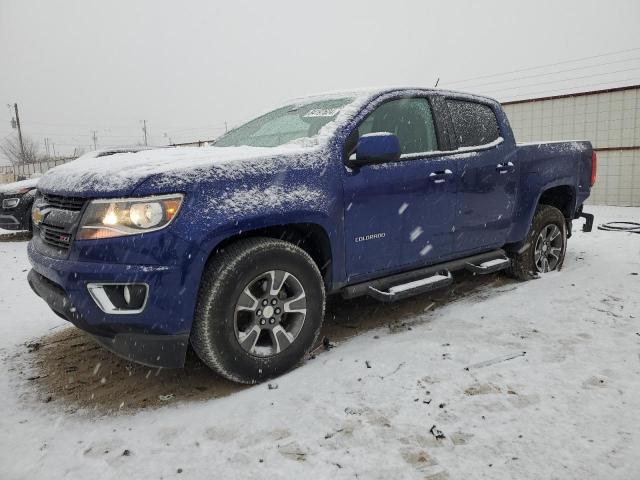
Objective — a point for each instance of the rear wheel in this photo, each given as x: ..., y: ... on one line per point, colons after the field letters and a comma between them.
x: 259, y: 310
x: 545, y: 246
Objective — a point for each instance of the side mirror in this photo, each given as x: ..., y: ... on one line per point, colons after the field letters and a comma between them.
x: 376, y: 148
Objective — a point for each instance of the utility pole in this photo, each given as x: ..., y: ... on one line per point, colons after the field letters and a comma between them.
x: 94, y: 136
x: 15, y: 107
x: 144, y: 129
x: 225, y: 126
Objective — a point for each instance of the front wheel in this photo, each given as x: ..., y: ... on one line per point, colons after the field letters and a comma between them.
x: 545, y: 246
x: 260, y: 309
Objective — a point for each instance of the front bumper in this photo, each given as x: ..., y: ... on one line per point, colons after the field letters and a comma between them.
x: 154, y: 350
x: 157, y: 336
x: 9, y: 222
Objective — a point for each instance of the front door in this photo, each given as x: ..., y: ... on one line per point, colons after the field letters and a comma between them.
x: 400, y: 213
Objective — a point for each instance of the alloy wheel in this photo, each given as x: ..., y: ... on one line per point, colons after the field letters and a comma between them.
x: 270, y: 313
x: 548, y: 249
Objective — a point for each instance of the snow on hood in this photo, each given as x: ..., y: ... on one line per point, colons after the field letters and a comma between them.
x: 120, y: 173
x: 16, y: 186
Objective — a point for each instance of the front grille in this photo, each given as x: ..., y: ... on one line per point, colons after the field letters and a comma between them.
x: 74, y: 204
x: 59, y: 225
x: 56, y: 236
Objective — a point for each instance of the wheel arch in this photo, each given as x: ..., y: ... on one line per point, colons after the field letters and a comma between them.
x: 562, y: 197
x: 310, y: 237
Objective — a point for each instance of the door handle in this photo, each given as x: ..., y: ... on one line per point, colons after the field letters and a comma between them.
x: 506, y: 167
x: 441, y: 176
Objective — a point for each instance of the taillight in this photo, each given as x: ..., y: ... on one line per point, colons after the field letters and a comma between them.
x: 594, y: 167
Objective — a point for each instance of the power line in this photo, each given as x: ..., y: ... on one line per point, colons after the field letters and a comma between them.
x: 563, y: 80
x: 74, y: 134
x: 611, y: 83
x: 71, y: 135
x: 552, y: 73
x: 543, y: 66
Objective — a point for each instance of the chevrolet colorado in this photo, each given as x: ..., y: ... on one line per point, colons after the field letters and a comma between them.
x: 233, y: 248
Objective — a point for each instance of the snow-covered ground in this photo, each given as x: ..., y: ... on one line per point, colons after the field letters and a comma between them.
x: 567, y: 408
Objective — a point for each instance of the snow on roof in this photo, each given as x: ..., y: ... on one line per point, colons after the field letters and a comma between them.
x: 371, y: 92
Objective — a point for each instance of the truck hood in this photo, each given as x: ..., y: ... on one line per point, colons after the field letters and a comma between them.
x: 176, y: 169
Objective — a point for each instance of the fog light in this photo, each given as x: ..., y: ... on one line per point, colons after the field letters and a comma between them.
x: 119, y: 298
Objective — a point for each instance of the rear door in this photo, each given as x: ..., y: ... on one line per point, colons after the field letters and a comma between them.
x: 488, y: 172
x: 401, y: 213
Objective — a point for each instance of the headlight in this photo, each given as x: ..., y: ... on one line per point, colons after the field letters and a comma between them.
x: 128, y: 216
x: 10, y: 203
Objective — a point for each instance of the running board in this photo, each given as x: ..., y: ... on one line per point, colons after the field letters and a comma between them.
x: 378, y: 287
x: 489, y: 266
x: 405, y: 290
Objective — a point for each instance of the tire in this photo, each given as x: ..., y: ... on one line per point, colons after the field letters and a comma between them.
x: 227, y: 334
x: 527, y: 263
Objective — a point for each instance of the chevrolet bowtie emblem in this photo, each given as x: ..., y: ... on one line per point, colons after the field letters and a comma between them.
x: 38, y: 213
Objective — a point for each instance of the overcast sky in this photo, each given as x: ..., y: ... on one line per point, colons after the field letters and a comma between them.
x: 189, y: 66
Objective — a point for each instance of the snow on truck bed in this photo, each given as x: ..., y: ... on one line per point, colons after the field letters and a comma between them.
x: 513, y: 381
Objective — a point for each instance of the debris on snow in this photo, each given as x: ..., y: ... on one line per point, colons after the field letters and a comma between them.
x: 33, y: 346
x: 331, y: 434
x: 429, y: 307
x: 437, y: 433
x: 328, y: 344
x: 493, y: 361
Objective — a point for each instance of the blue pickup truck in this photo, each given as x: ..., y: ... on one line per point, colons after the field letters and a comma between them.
x: 233, y: 248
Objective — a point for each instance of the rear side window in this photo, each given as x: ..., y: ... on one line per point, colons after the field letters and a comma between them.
x: 410, y: 119
x: 474, y: 123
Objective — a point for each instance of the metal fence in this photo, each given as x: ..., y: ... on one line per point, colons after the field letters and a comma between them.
x: 10, y: 173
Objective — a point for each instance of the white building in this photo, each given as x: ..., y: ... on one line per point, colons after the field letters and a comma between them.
x: 610, y: 119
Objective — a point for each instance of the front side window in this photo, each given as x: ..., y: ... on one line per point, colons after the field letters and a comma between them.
x: 284, y: 125
x: 474, y: 123
x: 410, y: 119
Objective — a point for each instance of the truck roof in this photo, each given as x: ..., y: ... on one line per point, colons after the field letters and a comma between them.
x: 371, y: 92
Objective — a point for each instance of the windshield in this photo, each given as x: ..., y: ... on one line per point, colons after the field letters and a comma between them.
x: 284, y: 125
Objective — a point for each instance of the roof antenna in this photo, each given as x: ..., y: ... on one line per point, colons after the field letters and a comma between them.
x: 437, y: 81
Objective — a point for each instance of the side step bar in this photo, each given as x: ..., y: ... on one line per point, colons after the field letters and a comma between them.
x: 414, y: 282
x: 398, y: 292
x: 489, y: 266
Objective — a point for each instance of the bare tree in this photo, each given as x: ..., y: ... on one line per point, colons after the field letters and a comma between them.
x: 13, y: 152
